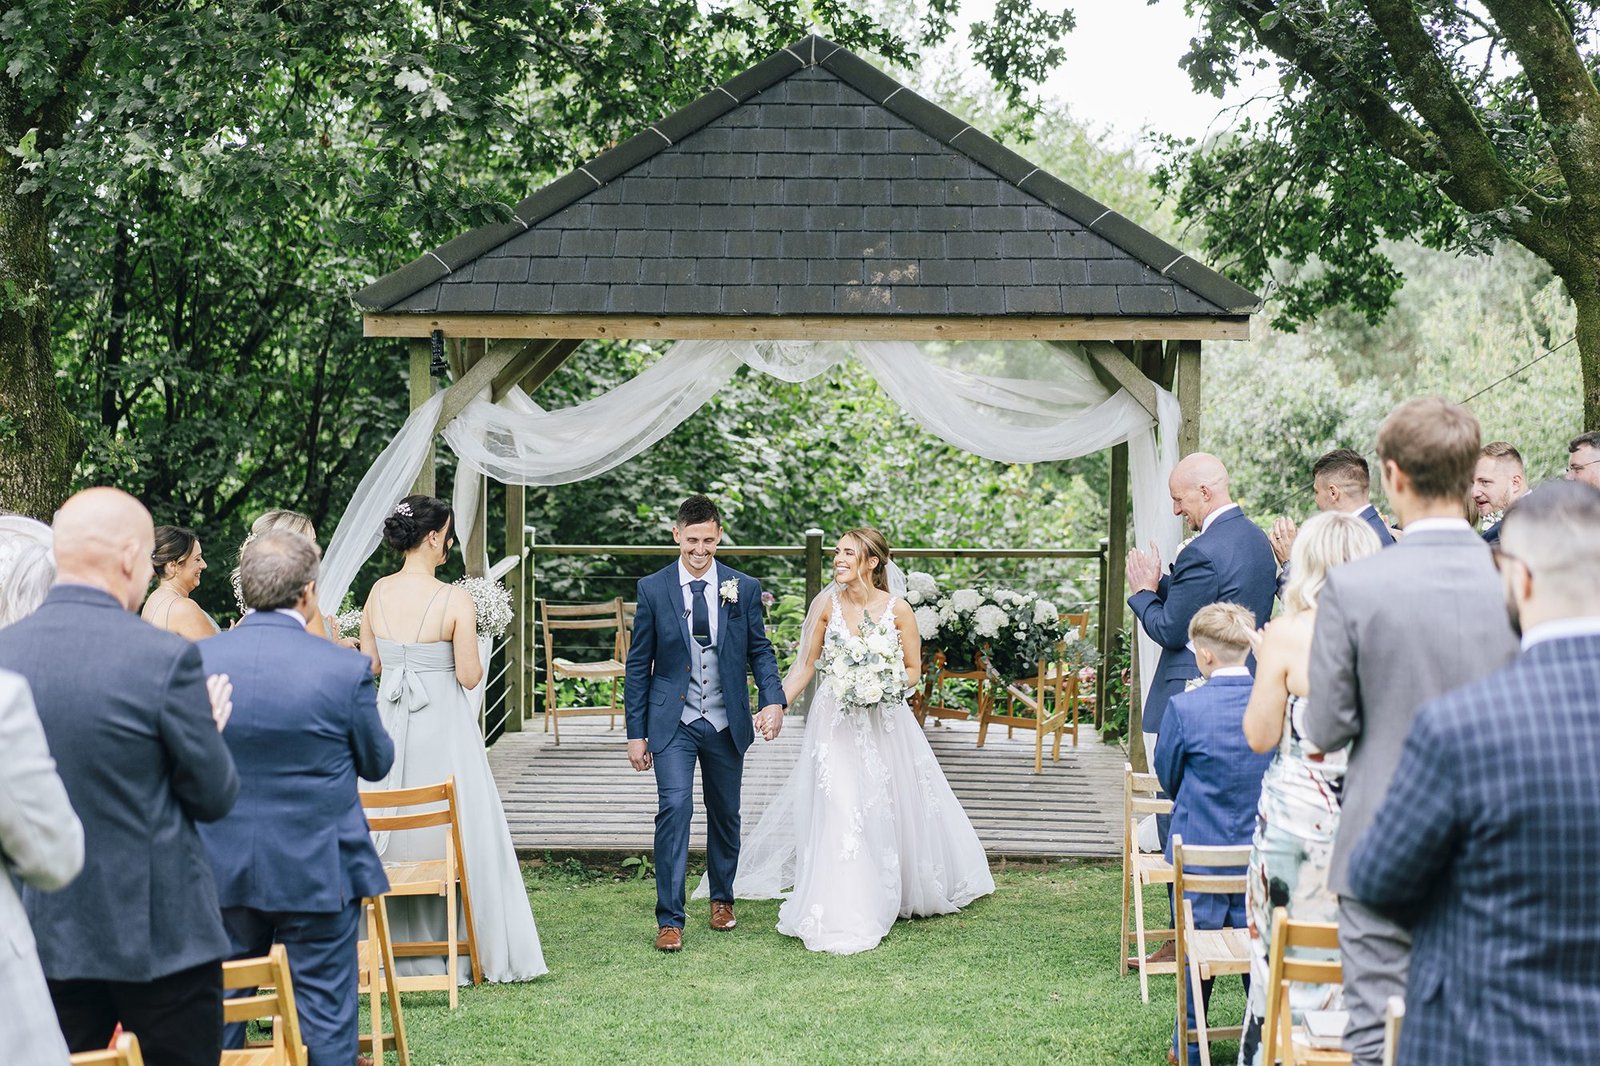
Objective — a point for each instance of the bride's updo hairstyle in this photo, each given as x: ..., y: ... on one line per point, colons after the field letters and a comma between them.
x: 412, y: 519
x: 877, y: 545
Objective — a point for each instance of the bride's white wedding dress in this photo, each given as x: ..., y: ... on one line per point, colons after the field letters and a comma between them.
x: 865, y: 830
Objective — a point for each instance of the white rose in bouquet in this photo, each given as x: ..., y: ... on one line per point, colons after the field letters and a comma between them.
x: 927, y: 622
x: 870, y: 692
x: 879, y: 644
x: 857, y: 648
x: 989, y: 620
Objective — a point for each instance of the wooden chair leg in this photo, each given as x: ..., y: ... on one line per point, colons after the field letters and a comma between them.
x: 378, y: 930
x: 452, y: 966
x: 1138, y: 921
x: 1127, y: 874
x: 1038, y: 751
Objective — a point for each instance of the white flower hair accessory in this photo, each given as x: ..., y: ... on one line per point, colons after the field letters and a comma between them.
x: 403, y: 508
x: 729, y: 590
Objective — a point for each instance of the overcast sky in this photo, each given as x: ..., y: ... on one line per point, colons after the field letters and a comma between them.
x: 1122, y: 73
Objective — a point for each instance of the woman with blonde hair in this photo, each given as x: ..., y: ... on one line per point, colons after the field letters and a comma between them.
x: 1298, y: 814
x: 290, y: 522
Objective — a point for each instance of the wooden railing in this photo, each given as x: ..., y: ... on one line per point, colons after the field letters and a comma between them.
x: 512, y: 693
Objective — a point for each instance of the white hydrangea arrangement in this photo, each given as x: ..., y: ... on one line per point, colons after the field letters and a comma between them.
x: 492, y: 602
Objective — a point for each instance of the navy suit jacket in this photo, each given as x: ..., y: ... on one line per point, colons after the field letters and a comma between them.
x: 305, y: 724
x: 1232, y: 562
x: 1207, y: 767
x: 1491, y: 536
x: 125, y: 711
x: 1487, y: 845
x: 657, y: 683
x: 1379, y: 526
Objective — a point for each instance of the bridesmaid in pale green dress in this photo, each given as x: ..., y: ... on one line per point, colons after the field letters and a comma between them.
x: 1298, y: 813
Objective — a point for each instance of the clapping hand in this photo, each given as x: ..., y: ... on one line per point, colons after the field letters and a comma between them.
x: 1282, y: 538
x: 1144, y: 569
x: 220, y: 690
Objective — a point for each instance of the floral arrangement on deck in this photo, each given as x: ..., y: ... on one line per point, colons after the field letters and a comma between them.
x: 492, y: 602
x: 864, y: 670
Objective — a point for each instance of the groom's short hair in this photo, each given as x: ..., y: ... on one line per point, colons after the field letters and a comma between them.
x: 697, y: 509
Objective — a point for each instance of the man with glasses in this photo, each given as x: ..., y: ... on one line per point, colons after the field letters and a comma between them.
x: 1583, y: 458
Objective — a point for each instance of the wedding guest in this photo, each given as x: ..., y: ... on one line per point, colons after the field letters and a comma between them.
x: 41, y: 844
x: 1341, y: 482
x: 289, y: 522
x: 1229, y: 561
x: 1299, y: 809
x: 422, y: 637
x: 1393, y: 631
x: 137, y: 938
x: 294, y: 859
x: 178, y: 565
x: 1583, y: 458
x: 1205, y: 765
x: 1499, y: 481
x: 26, y: 567
x: 1487, y: 845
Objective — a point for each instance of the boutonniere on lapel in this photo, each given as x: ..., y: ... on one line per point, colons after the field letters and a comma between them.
x: 729, y: 590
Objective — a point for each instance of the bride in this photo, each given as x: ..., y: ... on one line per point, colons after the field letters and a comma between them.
x: 866, y: 829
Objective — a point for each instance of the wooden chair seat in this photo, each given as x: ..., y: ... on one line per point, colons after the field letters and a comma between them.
x: 604, y: 670
x: 125, y: 1052
x: 1206, y: 953
x: 607, y: 615
x: 1221, y: 951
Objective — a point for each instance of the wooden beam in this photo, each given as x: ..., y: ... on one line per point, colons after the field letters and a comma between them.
x: 812, y: 327
x: 1188, y: 389
x: 511, y: 359
x: 1111, y: 362
x: 548, y: 364
x: 503, y: 381
x: 421, y: 391
x: 1116, y: 589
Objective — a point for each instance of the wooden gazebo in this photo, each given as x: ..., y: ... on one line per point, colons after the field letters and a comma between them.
x: 812, y: 197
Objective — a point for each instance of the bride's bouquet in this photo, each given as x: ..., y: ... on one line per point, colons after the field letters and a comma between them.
x: 866, y: 670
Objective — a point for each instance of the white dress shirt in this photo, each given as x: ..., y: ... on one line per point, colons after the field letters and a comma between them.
x: 1439, y: 525
x: 1561, y: 629
x: 709, y: 594
x: 1205, y: 523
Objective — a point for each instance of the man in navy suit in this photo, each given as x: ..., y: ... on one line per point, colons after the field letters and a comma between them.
x: 1229, y: 561
x: 1205, y: 764
x: 294, y: 859
x: 1487, y: 843
x: 1499, y: 481
x: 137, y: 938
x: 699, y: 630
x: 1340, y: 481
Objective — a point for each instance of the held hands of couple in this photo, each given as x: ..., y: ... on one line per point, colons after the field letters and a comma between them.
x: 769, y: 723
x: 1144, y: 569
x: 639, y: 756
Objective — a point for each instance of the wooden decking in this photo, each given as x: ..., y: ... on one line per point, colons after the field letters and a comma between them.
x: 583, y: 795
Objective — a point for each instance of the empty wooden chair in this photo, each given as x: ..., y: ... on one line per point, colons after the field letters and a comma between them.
x: 1291, y: 1044
x: 271, y: 997
x: 125, y: 1052
x: 1394, y: 1016
x: 931, y: 700
x: 444, y: 877
x: 1141, y: 868
x: 1036, y: 702
x: 583, y: 616
x: 377, y: 980
x: 1079, y: 697
x: 1204, y: 954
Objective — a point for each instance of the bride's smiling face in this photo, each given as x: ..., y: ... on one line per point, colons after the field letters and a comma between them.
x: 852, y: 563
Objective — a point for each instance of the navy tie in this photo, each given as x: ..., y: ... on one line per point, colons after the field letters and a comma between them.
x: 701, y: 627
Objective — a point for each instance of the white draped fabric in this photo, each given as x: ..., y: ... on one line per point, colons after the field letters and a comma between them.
x: 1012, y: 403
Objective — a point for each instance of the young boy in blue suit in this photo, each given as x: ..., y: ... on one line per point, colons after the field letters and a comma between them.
x: 1207, y: 767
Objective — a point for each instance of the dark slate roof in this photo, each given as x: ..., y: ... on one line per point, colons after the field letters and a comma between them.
x: 812, y: 183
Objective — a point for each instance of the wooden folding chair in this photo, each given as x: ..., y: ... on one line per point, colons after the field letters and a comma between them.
x: 271, y: 996
x: 442, y: 877
x: 1394, y: 1016
x: 125, y: 1052
x: 1279, y: 1035
x: 930, y: 702
x: 1140, y: 868
x: 1072, y: 689
x: 377, y: 980
x: 1043, y: 709
x: 583, y: 616
x: 1204, y: 954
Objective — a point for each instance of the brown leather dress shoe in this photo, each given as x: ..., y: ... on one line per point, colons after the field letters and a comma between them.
x: 1167, y: 952
x: 722, y: 918
x: 669, y: 938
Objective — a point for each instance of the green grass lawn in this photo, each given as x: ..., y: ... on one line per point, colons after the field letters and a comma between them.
x: 1026, y: 975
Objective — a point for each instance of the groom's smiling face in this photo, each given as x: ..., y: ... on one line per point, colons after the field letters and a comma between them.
x: 697, y: 545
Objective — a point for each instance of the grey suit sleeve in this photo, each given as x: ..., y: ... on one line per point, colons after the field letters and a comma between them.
x: 203, y: 774
x: 763, y: 661
x: 40, y: 835
x: 369, y: 741
x: 1333, y: 716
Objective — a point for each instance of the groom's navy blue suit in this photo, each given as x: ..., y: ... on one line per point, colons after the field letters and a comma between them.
x: 664, y: 706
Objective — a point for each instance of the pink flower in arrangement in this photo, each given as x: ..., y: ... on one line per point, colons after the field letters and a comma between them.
x: 767, y: 599
x: 1087, y: 675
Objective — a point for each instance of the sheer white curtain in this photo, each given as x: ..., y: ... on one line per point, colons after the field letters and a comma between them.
x: 1013, y: 403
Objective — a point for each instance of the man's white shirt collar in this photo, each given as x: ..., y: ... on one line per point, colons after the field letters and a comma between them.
x: 1214, y: 515
x: 684, y: 577
x: 292, y: 613
x: 1367, y: 510
x: 1231, y: 671
x: 1561, y: 629
x: 1438, y: 525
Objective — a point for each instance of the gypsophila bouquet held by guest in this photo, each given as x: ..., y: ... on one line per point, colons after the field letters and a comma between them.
x: 492, y: 600
x: 867, y: 669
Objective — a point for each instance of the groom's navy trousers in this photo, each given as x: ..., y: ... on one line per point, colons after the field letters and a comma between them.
x: 657, y: 691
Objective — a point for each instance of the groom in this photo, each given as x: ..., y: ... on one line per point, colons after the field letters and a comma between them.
x: 698, y: 632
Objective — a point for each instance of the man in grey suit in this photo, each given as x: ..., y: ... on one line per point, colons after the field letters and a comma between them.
x: 1395, y: 630
x: 41, y: 842
x: 138, y: 937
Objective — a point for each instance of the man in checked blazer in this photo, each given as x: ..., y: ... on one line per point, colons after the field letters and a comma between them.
x: 1395, y: 630
x: 1487, y: 846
